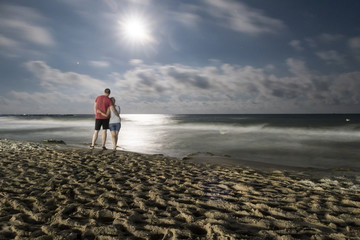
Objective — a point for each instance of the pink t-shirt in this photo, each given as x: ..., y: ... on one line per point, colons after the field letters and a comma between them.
x: 102, y: 104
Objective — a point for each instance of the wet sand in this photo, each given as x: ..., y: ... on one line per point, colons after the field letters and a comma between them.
x: 52, y: 192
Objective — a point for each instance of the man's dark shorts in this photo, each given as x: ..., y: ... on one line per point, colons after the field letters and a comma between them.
x: 102, y: 122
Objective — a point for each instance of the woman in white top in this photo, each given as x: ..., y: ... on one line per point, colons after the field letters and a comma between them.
x: 115, y: 122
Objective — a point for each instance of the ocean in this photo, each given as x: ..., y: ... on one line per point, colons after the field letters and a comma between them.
x: 295, y: 140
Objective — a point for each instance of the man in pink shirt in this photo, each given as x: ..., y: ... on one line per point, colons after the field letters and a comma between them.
x: 102, y: 103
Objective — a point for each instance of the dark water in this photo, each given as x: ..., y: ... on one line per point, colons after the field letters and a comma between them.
x: 321, y: 141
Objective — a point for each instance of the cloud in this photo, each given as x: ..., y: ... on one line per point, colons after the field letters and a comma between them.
x: 52, y: 101
x: 24, y: 24
x: 296, y: 44
x: 330, y: 38
x: 38, y: 97
x: 178, y: 88
x: 173, y: 87
x: 324, y: 38
x: 297, y: 67
x: 28, y: 32
x: 185, y: 82
x: 346, y: 88
x: 188, y: 77
x: 186, y: 15
x: 58, y: 92
x: 8, y: 42
x: 242, y: 18
x: 135, y: 62
x: 99, y: 64
x: 22, y: 32
x: 354, y: 43
x: 230, y: 14
x: 331, y: 57
x: 4, y: 101
x: 52, y: 78
x: 186, y: 18
x: 10, y: 47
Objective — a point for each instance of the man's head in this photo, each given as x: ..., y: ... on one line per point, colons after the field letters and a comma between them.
x: 107, y: 91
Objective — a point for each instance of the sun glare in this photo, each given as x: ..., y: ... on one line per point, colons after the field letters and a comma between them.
x: 135, y: 30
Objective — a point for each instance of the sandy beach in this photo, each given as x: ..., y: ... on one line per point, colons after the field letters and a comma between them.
x: 53, y: 192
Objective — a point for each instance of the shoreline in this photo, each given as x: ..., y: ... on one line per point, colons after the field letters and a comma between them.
x: 223, y: 160
x: 49, y: 191
x: 310, y: 172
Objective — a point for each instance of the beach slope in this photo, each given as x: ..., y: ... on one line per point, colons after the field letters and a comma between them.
x: 48, y: 192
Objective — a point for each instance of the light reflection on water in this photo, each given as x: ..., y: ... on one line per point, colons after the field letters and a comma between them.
x: 142, y: 132
x: 149, y: 119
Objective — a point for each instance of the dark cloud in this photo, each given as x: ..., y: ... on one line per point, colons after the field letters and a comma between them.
x: 346, y: 88
x: 237, y: 85
x: 192, y: 78
x: 146, y: 80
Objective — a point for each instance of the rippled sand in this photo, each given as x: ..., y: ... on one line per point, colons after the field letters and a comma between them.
x: 47, y: 192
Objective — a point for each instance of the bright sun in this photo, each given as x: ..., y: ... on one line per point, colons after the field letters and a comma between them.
x: 136, y: 30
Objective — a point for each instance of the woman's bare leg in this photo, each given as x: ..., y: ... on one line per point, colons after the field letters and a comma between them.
x: 114, y: 139
x: 117, y: 137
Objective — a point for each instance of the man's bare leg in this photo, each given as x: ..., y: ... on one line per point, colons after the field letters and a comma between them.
x: 94, y: 138
x: 104, y: 135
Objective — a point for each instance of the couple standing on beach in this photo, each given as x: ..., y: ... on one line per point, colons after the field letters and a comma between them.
x: 107, y: 116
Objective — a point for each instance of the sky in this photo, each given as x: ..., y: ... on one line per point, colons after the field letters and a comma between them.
x: 178, y: 57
